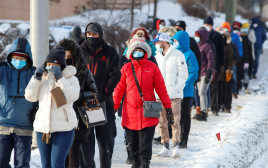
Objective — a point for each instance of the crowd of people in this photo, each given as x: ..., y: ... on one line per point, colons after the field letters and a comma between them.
x: 162, y: 65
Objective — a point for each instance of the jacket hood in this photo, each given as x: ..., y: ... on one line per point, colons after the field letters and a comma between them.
x: 147, y: 37
x: 78, y: 59
x: 139, y: 44
x: 228, y: 36
x: 69, y: 71
x: 20, y: 45
x: 255, y: 20
x: 156, y: 23
x: 99, y: 27
x: 184, y: 40
x: 204, y: 35
x: 171, y: 31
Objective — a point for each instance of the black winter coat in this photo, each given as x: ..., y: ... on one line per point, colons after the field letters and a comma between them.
x: 104, y: 65
x: 217, y: 39
x: 247, y: 50
x: 194, y: 47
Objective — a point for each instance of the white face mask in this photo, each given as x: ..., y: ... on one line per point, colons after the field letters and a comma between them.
x: 208, y: 28
x: 161, y: 26
x: 255, y: 25
x: 158, y: 48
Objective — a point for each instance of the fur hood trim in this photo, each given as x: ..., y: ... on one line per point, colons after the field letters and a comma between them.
x: 138, y: 44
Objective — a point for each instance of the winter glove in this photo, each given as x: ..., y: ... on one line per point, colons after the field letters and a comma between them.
x: 246, y: 65
x: 228, y: 75
x: 208, y: 76
x: 55, y: 70
x: 39, y: 73
x: 170, y: 117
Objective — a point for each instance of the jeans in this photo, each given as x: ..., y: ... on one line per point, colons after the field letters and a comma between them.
x: 53, y: 155
x: 234, y: 80
x: 203, y: 93
x: 22, y: 150
x: 105, y: 135
x: 257, y: 59
x: 197, y: 98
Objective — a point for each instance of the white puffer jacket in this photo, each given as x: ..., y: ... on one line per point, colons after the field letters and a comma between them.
x: 49, y: 118
x: 174, y: 71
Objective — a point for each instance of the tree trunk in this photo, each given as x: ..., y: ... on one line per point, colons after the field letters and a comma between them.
x: 217, y: 6
x: 132, y: 14
x: 155, y: 8
x: 230, y: 10
x: 261, y: 6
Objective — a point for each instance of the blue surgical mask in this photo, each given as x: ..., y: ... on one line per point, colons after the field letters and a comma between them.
x: 176, y: 44
x: 158, y: 48
x: 138, y: 54
x: 161, y: 26
x: 197, y: 39
x: 48, y: 68
x: 18, y: 64
x: 244, y: 30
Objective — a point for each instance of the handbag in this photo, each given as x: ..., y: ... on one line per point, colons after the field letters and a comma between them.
x: 93, y: 113
x: 58, y: 97
x: 151, y: 109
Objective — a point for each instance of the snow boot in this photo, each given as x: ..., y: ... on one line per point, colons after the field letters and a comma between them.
x: 215, y: 113
x: 175, y: 152
x: 165, y: 152
x: 145, y: 164
x: 202, y: 116
x: 227, y: 111
x: 136, y: 163
x: 157, y: 140
x: 129, y: 157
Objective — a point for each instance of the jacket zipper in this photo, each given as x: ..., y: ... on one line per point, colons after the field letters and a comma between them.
x: 18, y: 86
x: 66, y: 116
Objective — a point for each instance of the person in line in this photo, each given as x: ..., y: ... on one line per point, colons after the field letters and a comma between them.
x: 182, y: 38
x: 158, y: 24
x: 103, y: 62
x: 74, y: 57
x: 54, y: 125
x: 174, y: 71
x: 260, y: 34
x: 15, y: 114
x: 207, y: 71
x: 139, y: 129
x: 217, y: 40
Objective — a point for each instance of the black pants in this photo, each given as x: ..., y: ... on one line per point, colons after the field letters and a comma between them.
x: 214, y: 94
x: 74, y: 155
x: 105, y: 135
x: 186, y: 105
x: 225, y: 94
x: 141, y: 143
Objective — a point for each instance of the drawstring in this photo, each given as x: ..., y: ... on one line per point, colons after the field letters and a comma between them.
x: 46, y: 138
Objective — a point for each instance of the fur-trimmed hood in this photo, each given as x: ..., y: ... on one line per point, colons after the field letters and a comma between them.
x: 227, y: 35
x: 78, y: 59
x: 139, y: 44
x: 171, y: 31
x: 147, y: 37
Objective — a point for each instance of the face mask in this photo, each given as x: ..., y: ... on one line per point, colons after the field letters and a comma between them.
x: 137, y: 55
x: 197, y: 39
x: 255, y: 25
x: 69, y: 61
x: 18, y: 64
x: 225, y: 29
x: 158, y: 48
x: 178, y: 30
x: 161, y: 26
x: 244, y: 30
x: 176, y: 44
x: 208, y: 28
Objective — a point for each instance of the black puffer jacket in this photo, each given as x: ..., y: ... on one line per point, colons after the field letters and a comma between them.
x: 86, y: 81
x: 194, y: 47
x: 104, y: 65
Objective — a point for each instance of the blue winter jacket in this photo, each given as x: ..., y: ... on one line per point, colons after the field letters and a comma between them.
x: 260, y: 33
x: 14, y: 108
x: 184, y: 40
x: 237, y: 42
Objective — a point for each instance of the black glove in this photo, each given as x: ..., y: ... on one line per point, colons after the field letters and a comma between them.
x: 39, y: 73
x: 56, y: 71
x: 208, y: 76
x: 170, y: 117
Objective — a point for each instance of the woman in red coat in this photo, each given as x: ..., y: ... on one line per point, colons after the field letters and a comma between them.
x: 140, y: 130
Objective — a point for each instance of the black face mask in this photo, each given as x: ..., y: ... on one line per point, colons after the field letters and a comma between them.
x: 178, y: 30
x: 93, y: 44
x: 69, y: 61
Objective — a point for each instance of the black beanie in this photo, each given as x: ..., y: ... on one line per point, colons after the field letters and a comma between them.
x: 209, y: 20
x: 57, y: 55
x: 181, y: 24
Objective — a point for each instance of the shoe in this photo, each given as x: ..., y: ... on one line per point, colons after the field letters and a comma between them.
x: 198, y: 109
x: 157, y: 140
x: 235, y: 95
x: 175, y: 152
x: 183, y: 144
x: 145, y: 164
x: 254, y: 77
x: 129, y: 160
x: 136, y: 164
x: 227, y: 111
x: 215, y: 113
x: 165, y: 152
x: 202, y: 116
x: 247, y: 91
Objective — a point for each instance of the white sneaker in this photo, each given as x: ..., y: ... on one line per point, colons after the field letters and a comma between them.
x: 175, y: 152
x: 165, y: 152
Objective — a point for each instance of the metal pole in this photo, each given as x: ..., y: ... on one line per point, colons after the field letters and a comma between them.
x: 39, y: 30
x: 132, y: 15
x: 155, y: 8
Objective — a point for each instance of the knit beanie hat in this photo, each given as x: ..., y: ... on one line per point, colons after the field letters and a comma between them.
x: 245, y: 25
x: 209, y: 20
x: 226, y: 25
x: 237, y: 25
x: 181, y: 24
x: 57, y: 55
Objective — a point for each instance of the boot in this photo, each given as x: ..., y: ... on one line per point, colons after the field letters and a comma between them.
x: 202, y: 116
x: 157, y: 140
x: 227, y: 111
x: 215, y: 113
x: 197, y: 111
x: 136, y: 163
x: 183, y: 144
x: 145, y: 164
x: 129, y: 158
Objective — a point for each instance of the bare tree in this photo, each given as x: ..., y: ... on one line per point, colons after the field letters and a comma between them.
x: 230, y: 10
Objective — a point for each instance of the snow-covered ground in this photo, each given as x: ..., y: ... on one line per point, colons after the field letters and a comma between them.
x: 244, y: 132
